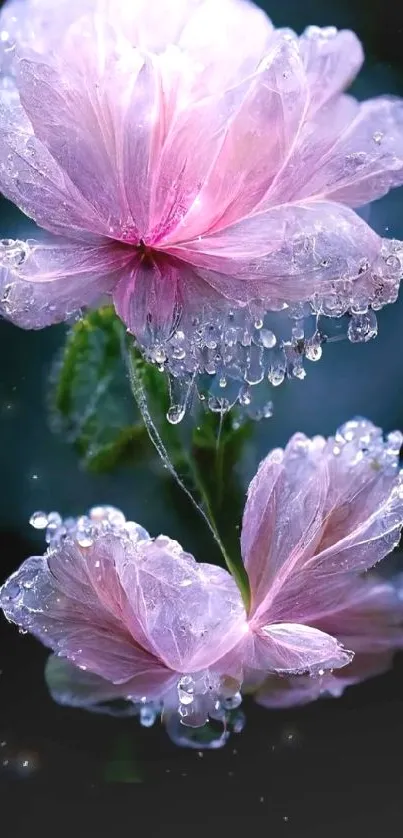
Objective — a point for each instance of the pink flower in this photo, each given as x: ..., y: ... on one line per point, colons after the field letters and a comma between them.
x: 318, y: 515
x: 199, y: 167
x: 137, y: 612
x: 142, y: 614
x: 369, y: 620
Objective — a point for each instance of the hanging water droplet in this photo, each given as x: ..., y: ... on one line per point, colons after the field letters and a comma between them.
x: 362, y: 327
x: 218, y: 405
x: 176, y: 413
x: 232, y: 702
x: 158, y: 355
x: 313, y: 348
x: 148, y: 715
x: 186, y: 689
x: 245, y: 396
x: 39, y: 520
x: 268, y: 410
x: 276, y: 375
x: 268, y: 339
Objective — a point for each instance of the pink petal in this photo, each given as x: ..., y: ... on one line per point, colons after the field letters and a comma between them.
x: 78, y: 609
x: 281, y: 692
x: 332, y: 60
x: 72, y: 686
x: 291, y: 252
x: 285, y: 648
x: 369, y: 616
x: 44, y: 283
x: 191, y: 613
x: 210, y: 36
x: 99, y: 118
x: 289, y: 647
x: 315, y: 516
x: 364, y: 160
x: 148, y: 299
x: 193, y: 143
x: 282, y: 518
x: 31, y: 178
x: 257, y: 142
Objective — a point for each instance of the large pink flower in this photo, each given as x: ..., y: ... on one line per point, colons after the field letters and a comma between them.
x: 197, y: 165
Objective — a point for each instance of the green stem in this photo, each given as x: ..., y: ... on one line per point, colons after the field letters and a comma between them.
x: 206, y: 513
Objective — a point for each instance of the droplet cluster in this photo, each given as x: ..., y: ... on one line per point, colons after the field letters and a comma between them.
x: 101, y: 520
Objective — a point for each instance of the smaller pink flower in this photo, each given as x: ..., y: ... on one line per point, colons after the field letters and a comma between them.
x: 318, y: 514
x: 369, y: 620
x: 138, y: 612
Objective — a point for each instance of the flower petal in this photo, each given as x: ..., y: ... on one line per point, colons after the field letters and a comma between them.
x: 283, y: 518
x: 285, y: 648
x: 291, y: 252
x: 32, y: 179
x: 289, y: 647
x: 148, y: 299
x: 328, y: 513
x: 364, y: 160
x: 368, y: 617
x: 44, y: 283
x: 211, y: 32
x: 282, y: 692
x: 332, y: 60
x: 191, y: 613
x: 69, y: 685
x: 258, y: 140
x: 71, y: 599
x: 98, y: 115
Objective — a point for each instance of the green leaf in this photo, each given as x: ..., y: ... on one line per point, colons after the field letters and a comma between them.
x: 91, y: 401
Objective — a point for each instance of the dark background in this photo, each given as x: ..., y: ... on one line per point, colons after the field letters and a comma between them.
x: 333, y: 766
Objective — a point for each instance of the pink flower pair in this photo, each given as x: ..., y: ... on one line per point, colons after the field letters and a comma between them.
x: 190, y: 161
x: 143, y: 614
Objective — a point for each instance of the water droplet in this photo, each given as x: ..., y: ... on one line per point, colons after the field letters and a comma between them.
x: 186, y: 689
x: 362, y: 327
x: 12, y: 590
x: 268, y: 339
x: 148, y: 715
x: 84, y: 539
x: 13, y: 253
x: 245, y: 396
x: 232, y: 702
x: 176, y: 413
x: 39, y: 520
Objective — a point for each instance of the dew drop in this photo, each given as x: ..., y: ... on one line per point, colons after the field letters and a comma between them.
x: 84, y: 539
x: 268, y: 339
x: 362, y: 327
x: 176, y: 413
x: 148, y: 715
x: 39, y: 520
